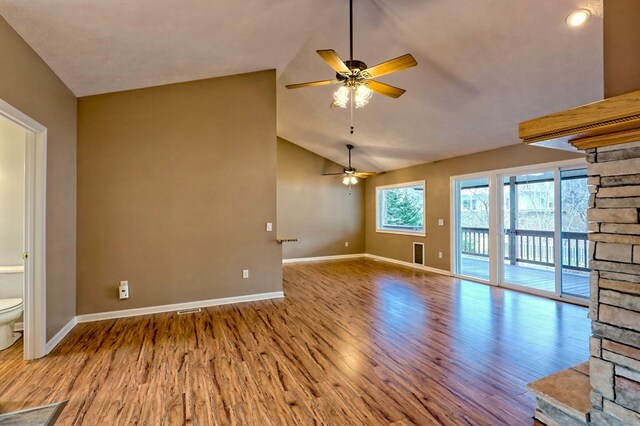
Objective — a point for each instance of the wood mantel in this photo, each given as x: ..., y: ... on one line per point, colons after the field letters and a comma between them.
x: 608, y: 122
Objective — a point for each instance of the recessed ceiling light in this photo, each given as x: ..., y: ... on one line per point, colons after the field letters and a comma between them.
x: 577, y: 18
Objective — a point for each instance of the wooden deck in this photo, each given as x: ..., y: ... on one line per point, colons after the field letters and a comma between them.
x: 574, y: 283
x: 354, y: 342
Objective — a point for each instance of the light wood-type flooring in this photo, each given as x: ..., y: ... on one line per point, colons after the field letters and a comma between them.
x: 354, y: 342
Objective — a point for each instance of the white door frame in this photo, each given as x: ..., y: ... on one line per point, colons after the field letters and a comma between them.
x: 35, y: 319
x: 495, y: 194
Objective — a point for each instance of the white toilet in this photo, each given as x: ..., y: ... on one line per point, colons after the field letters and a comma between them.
x: 10, y: 311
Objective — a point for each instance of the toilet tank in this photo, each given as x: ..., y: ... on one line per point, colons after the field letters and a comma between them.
x: 11, y: 282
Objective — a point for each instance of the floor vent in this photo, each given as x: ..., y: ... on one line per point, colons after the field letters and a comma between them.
x: 418, y: 253
x: 189, y: 311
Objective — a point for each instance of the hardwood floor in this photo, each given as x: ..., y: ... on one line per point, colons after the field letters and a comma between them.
x: 353, y: 342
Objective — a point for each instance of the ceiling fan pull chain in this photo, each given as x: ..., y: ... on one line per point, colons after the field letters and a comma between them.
x: 351, y: 105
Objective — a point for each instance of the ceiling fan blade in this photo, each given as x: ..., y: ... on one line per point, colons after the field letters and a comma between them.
x: 385, y: 89
x: 311, y: 84
x: 393, y: 65
x: 332, y: 174
x: 331, y: 57
x: 364, y: 175
x: 333, y: 104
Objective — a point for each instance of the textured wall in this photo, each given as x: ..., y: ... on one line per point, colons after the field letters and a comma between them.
x: 12, y: 152
x: 621, y: 41
x: 317, y: 209
x: 28, y: 84
x: 437, y: 176
x: 175, y: 185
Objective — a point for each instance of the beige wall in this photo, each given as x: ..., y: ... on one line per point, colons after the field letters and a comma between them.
x: 437, y: 176
x: 28, y: 84
x: 175, y: 185
x: 316, y: 209
x: 621, y: 41
x: 12, y: 151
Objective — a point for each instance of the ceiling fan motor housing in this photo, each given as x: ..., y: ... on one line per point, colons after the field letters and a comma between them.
x: 355, y: 66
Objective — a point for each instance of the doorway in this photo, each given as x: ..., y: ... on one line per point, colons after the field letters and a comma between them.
x: 33, y: 199
x: 524, y: 228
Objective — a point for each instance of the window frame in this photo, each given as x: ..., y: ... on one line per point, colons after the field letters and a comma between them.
x: 380, y: 188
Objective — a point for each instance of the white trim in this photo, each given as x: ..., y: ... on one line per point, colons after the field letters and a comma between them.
x: 369, y: 256
x: 422, y: 233
x: 34, y: 295
x: 557, y: 233
x: 408, y: 264
x: 496, y: 193
x: 51, y: 344
x: 321, y: 258
x: 402, y: 184
x: 576, y: 162
x: 100, y: 316
x: 409, y: 233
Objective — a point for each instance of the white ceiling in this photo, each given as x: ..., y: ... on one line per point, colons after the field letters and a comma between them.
x: 483, y: 66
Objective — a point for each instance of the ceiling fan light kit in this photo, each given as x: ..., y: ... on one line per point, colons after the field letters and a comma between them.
x: 356, y: 79
x: 349, y: 174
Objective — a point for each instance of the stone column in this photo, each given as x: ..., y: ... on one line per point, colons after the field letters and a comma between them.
x: 614, y: 179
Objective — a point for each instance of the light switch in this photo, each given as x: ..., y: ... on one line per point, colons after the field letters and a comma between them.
x: 269, y: 226
x: 441, y: 222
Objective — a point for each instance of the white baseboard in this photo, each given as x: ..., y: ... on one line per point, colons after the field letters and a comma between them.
x: 368, y: 256
x: 60, y: 335
x: 321, y: 258
x: 408, y: 264
x: 19, y: 326
x: 177, y: 306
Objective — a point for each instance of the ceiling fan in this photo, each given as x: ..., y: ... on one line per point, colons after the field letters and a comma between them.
x: 350, y: 174
x: 356, y: 79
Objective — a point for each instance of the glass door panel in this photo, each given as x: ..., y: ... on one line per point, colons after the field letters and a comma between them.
x: 472, y: 223
x: 574, y: 200
x: 528, y: 231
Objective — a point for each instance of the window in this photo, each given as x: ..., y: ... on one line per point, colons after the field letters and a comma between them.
x: 400, y: 208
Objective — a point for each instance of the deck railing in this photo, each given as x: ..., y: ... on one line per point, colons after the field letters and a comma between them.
x: 533, y: 247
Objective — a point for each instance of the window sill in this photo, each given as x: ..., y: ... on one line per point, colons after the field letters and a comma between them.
x: 412, y: 234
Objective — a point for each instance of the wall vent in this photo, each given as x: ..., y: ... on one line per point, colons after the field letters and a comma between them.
x: 189, y: 311
x: 418, y: 253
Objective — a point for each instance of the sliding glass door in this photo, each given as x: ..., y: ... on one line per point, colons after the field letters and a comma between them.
x: 575, y: 245
x: 472, y: 228
x: 523, y: 229
x: 528, y: 227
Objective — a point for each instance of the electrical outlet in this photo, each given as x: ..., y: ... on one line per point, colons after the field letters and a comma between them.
x: 346, y: 243
x: 123, y: 290
x: 269, y: 226
x: 440, y: 254
x: 245, y: 273
x: 440, y: 222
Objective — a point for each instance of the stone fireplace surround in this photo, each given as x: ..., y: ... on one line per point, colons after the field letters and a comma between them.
x: 608, y: 392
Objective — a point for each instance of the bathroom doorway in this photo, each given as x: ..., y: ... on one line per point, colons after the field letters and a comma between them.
x: 22, y: 227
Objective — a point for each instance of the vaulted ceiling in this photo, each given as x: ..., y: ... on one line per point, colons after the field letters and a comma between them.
x: 483, y: 66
